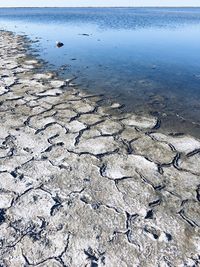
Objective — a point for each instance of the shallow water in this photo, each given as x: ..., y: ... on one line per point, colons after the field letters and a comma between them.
x: 146, y: 58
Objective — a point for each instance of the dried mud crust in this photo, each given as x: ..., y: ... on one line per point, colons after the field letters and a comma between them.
x: 83, y: 185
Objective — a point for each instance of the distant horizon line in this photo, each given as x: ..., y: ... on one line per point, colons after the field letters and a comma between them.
x: 100, y: 7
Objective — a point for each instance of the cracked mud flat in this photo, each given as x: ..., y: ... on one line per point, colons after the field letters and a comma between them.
x: 85, y: 185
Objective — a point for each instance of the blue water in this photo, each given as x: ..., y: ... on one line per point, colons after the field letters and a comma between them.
x: 145, y: 58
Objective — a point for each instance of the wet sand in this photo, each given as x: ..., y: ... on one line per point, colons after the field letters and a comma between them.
x: 88, y: 185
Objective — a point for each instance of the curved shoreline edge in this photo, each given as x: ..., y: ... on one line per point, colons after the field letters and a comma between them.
x: 86, y: 185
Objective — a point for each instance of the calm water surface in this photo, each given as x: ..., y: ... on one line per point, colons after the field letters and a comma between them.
x: 145, y: 58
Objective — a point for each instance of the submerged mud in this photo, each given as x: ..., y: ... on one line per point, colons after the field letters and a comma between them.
x: 87, y: 185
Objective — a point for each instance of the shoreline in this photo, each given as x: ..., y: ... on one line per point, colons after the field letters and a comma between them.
x: 145, y: 89
x: 87, y: 185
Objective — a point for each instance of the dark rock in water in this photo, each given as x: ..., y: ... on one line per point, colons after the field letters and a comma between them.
x: 85, y: 34
x: 59, y: 44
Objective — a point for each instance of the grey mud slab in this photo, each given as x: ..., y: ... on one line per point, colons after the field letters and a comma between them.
x: 83, y: 185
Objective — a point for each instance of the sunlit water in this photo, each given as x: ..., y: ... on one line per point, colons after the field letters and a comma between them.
x: 146, y: 58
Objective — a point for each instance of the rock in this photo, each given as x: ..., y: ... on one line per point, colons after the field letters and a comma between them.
x: 59, y: 44
x: 85, y: 34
